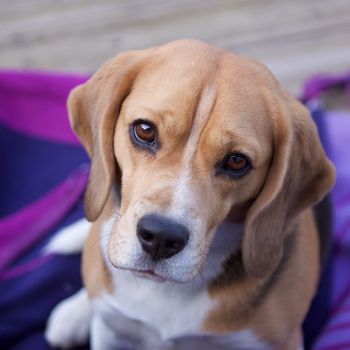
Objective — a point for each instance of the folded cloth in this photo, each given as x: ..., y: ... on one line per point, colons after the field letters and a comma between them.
x: 328, y: 324
x: 43, y: 175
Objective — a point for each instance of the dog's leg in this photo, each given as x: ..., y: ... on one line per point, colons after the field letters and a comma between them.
x: 70, y: 239
x: 69, y: 322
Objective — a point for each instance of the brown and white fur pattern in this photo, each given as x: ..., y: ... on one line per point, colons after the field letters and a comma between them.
x: 249, y: 270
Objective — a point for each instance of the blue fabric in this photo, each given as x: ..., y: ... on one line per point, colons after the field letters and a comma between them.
x: 30, y: 168
x: 318, y: 312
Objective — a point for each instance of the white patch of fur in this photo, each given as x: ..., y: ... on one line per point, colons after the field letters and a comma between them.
x: 171, y: 309
x: 69, y: 240
x: 112, y: 328
x: 69, y: 322
x: 183, y: 198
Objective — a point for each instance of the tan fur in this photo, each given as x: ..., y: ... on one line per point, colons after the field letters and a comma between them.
x: 276, y: 316
x: 94, y: 271
x: 206, y: 103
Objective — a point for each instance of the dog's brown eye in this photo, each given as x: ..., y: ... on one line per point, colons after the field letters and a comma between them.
x: 235, y: 165
x: 144, y: 132
x: 236, y: 162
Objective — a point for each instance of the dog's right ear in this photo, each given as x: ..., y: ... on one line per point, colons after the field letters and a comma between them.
x: 93, y: 111
x: 300, y: 175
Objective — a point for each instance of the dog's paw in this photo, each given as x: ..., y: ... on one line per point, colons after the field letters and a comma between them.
x: 70, y: 239
x: 69, y: 322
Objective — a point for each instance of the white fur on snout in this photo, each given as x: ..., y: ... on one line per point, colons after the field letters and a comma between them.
x: 182, y: 267
x: 124, y: 248
x: 165, y: 311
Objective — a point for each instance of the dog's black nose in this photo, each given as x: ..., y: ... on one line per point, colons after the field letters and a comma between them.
x: 161, y: 237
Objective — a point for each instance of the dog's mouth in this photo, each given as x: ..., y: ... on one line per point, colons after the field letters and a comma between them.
x: 147, y: 274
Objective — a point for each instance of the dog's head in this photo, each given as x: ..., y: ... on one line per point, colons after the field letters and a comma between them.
x: 193, y: 135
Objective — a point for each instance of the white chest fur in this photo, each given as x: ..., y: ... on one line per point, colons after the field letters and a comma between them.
x: 170, y: 309
x: 165, y: 321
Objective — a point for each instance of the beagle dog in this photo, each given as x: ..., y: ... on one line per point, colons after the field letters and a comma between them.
x: 204, y: 171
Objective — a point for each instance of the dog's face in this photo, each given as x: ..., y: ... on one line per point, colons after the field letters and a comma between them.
x: 199, y: 136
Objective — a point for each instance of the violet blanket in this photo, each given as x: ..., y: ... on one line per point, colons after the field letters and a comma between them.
x: 43, y: 173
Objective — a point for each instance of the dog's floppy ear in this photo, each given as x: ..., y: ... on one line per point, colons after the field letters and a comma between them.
x: 93, y: 110
x: 300, y: 175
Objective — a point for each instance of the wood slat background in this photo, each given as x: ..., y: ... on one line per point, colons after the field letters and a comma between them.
x: 295, y: 38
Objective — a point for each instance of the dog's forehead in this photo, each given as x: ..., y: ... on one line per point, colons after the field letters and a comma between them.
x: 174, y: 75
x: 185, y: 81
x: 180, y: 71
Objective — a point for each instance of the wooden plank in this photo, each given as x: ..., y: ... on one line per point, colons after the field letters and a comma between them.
x: 295, y: 38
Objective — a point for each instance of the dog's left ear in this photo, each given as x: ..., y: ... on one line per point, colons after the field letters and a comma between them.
x: 300, y: 175
x: 93, y: 111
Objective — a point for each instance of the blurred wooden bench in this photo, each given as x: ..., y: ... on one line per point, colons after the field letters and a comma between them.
x: 295, y: 38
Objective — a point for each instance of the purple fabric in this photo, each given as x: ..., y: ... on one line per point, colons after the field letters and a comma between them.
x: 43, y: 175
x: 30, y: 223
x: 35, y: 104
x: 322, y: 82
x: 336, y: 333
x: 27, y: 267
x: 44, y: 95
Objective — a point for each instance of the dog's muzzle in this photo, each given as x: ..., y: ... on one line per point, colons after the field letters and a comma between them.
x: 161, y: 237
